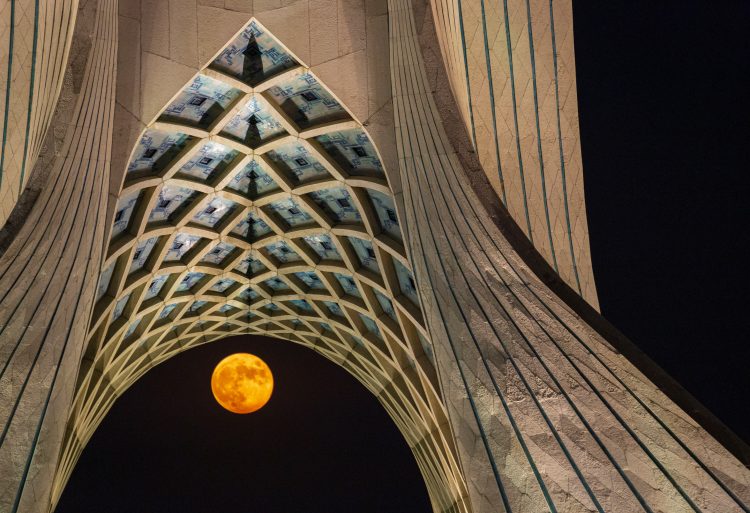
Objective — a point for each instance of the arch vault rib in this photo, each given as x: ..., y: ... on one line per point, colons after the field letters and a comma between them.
x: 257, y: 201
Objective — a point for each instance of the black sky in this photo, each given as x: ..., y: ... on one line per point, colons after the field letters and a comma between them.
x: 664, y: 111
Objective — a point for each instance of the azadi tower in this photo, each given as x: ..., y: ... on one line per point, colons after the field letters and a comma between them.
x: 395, y: 184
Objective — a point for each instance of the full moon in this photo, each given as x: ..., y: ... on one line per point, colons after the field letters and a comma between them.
x: 242, y: 383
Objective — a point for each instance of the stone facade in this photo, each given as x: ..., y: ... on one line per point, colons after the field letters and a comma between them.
x: 282, y: 168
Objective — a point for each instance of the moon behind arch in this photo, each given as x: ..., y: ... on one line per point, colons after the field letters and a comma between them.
x: 242, y: 383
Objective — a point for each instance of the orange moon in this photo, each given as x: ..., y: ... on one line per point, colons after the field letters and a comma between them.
x: 242, y: 383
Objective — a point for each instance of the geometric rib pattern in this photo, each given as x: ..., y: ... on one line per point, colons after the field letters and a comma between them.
x: 255, y: 203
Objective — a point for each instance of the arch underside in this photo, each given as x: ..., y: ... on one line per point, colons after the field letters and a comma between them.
x: 255, y: 203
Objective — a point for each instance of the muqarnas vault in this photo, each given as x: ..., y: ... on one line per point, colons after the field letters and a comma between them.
x: 174, y: 173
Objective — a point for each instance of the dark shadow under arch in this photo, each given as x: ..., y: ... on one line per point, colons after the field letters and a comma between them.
x: 323, y: 443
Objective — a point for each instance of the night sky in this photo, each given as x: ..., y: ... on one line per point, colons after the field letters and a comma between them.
x: 664, y: 124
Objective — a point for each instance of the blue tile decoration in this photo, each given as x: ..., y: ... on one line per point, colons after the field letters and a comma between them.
x: 119, y: 307
x: 250, y: 266
x: 254, y: 124
x: 302, y: 305
x: 290, y: 211
x: 104, y: 280
x: 172, y: 200
x: 253, y: 56
x: 124, y: 212
x: 252, y: 227
x: 253, y: 181
x: 296, y: 324
x: 276, y: 284
x: 294, y: 161
x: 167, y: 310
x: 370, y: 324
x: 348, y: 284
x: 306, y: 101
x: 406, y: 282
x: 201, y: 102
x: 225, y: 308
x: 156, y: 150
x: 210, y: 159
x: 218, y: 253
x: 334, y: 308
x: 214, y: 212
x: 155, y: 286
x: 338, y: 205
x: 426, y: 347
x: 283, y: 252
x: 189, y: 281
x: 197, y: 305
x: 365, y: 253
x: 311, y: 279
x: 386, y: 212
x: 131, y: 329
x: 353, y: 151
x: 141, y: 254
x: 326, y: 326
x: 181, y: 244
x: 249, y: 294
x: 273, y: 307
x: 222, y: 285
x: 323, y: 245
x: 386, y: 305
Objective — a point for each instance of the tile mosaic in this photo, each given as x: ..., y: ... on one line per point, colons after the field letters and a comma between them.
x: 276, y: 284
x: 225, y: 308
x: 197, y: 305
x: 155, y: 150
x: 252, y: 227
x: 222, y: 285
x: 173, y: 199
x: 104, y: 280
x: 296, y: 162
x: 201, y: 102
x: 253, y: 181
x: 214, y: 212
x: 311, y: 279
x: 210, y: 160
x: 370, y: 325
x: 254, y: 124
x: 334, y: 308
x: 348, y: 284
x: 386, y: 305
x: 386, y: 212
x: 155, y: 286
x: 337, y: 204
x: 131, y: 329
x: 323, y: 245
x: 124, y: 212
x: 290, y: 211
x: 282, y: 252
x: 250, y: 266
x: 141, y: 254
x: 365, y: 253
x: 353, y: 151
x: 119, y: 307
x: 167, y: 310
x: 302, y: 305
x: 253, y: 56
x: 218, y: 253
x: 181, y: 244
x: 249, y: 294
x: 406, y: 282
x: 189, y: 281
x: 306, y: 101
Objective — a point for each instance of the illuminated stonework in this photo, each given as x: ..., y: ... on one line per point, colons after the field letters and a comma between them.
x: 284, y: 170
